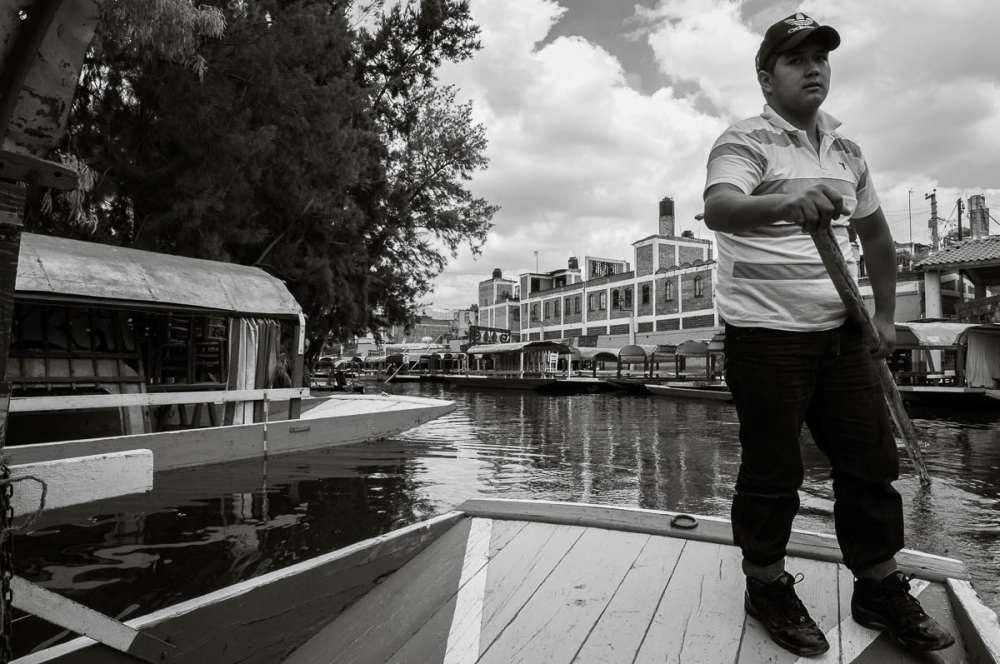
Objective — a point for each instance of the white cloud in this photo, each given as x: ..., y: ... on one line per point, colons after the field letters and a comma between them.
x: 579, y: 158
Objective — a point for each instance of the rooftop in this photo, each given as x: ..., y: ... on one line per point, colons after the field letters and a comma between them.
x: 64, y: 270
x: 970, y: 253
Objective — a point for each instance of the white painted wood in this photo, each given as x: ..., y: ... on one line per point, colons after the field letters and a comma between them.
x: 817, y: 546
x: 619, y: 632
x: 344, y: 424
x: 555, y: 621
x: 515, y: 574
x: 80, y: 619
x: 979, y: 623
x: 89, y: 401
x: 700, y: 616
x: 430, y: 643
x: 80, y: 480
x: 463, y: 636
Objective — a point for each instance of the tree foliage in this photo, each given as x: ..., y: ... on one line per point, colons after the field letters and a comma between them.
x: 325, y: 154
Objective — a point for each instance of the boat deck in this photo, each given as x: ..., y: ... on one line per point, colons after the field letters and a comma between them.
x: 505, y: 591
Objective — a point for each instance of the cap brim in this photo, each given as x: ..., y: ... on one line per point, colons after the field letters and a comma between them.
x: 824, y: 34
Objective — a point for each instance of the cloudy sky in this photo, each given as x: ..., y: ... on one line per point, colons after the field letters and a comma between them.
x: 597, y: 109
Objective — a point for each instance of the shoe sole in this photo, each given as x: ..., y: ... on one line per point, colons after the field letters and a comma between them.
x: 790, y: 647
x: 871, y: 620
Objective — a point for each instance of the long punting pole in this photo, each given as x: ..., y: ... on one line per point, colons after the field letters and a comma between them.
x: 836, y: 266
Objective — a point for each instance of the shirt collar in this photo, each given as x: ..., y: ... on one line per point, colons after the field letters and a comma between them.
x: 826, y: 122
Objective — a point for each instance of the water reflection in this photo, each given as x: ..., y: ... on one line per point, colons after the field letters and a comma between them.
x: 206, y: 528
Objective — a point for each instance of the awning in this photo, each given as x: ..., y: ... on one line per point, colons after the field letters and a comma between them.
x: 517, y: 347
x: 347, y: 362
x: 718, y: 343
x: 595, y: 354
x: 692, y: 347
x: 62, y: 270
x: 636, y: 353
x: 935, y: 334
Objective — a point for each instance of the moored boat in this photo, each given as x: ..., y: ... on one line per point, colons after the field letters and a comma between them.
x: 534, y: 581
x: 947, y: 363
x: 714, y: 392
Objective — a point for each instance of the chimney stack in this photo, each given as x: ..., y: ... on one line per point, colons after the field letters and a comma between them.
x: 497, y: 274
x: 667, y: 216
x: 979, y: 216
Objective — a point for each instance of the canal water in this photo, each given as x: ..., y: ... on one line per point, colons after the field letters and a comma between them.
x: 202, y: 529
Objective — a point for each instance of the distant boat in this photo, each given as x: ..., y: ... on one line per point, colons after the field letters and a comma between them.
x: 500, y: 581
x: 712, y: 393
x: 948, y: 363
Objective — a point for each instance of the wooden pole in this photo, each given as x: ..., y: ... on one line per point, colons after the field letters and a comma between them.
x: 836, y: 266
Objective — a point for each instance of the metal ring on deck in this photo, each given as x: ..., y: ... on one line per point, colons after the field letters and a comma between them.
x: 684, y: 521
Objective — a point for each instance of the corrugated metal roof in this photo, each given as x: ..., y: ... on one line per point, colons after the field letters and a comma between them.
x: 87, y: 270
x: 985, y: 249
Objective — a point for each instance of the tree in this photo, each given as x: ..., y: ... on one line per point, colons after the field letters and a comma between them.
x: 325, y: 155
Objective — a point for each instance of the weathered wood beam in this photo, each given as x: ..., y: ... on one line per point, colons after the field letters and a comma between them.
x: 88, y: 401
x: 82, y: 620
x: 32, y: 170
x: 81, y: 480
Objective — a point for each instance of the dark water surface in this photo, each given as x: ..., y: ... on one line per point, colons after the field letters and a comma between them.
x: 206, y: 528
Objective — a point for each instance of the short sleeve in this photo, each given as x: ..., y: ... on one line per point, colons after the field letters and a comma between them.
x: 736, y: 160
x: 865, y: 193
x: 868, y: 200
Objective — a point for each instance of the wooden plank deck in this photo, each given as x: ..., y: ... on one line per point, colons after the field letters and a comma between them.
x: 498, y: 591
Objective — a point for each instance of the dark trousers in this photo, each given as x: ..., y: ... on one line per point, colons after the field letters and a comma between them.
x: 828, y: 380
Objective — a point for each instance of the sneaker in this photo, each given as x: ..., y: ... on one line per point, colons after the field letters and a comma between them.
x: 888, y: 605
x: 782, y: 613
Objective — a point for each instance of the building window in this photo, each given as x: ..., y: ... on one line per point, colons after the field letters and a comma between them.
x: 590, y: 302
x: 699, y: 286
x: 668, y: 290
x: 628, y: 299
x: 534, y: 312
x: 645, y: 294
x: 616, y: 301
x: 555, y: 308
x: 602, y: 301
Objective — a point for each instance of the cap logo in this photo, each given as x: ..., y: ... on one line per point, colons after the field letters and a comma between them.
x: 799, y: 22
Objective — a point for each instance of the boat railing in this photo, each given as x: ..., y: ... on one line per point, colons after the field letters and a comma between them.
x: 93, y: 401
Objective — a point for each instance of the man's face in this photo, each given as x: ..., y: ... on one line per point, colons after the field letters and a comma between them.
x: 800, y: 80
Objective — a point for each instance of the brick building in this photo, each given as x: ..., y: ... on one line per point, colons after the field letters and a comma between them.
x: 666, y: 299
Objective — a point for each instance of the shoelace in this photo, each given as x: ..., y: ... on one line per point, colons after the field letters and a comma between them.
x: 795, y: 610
x: 902, y: 601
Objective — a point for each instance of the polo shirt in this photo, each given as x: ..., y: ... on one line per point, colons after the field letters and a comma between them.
x: 772, y: 276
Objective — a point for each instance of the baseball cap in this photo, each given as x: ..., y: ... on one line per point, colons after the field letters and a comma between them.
x: 789, y: 32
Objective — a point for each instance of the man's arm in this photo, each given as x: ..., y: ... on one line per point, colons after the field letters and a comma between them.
x: 729, y: 210
x: 880, y: 259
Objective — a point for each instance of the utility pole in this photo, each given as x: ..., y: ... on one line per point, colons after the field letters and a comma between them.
x: 909, y: 209
x: 961, y: 279
x: 960, y: 205
x: 932, y: 224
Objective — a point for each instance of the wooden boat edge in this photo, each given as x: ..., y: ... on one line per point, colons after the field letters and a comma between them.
x: 977, y: 622
x: 250, y: 599
x: 198, y: 447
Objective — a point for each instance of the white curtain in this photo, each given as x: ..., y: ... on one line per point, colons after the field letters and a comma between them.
x: 246, y: 367
x: 982, y: 360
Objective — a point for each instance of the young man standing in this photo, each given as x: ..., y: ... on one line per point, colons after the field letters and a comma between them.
x: 791, y: 354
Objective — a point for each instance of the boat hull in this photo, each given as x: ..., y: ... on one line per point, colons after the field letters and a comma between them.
x: 543, y: 579
x: 674, y: 392
x: 328, y: 422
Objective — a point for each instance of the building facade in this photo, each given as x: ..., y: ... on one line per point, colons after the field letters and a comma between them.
x: 498, y: 303
x: 667, y: 298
